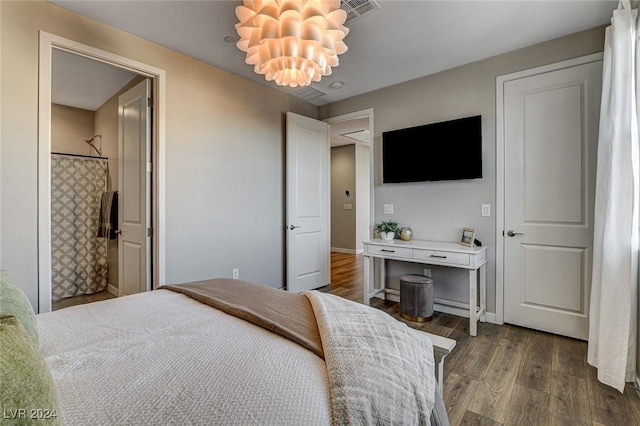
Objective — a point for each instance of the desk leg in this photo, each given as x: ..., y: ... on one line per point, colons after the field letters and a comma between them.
x: 383, y: 278
x: 368, y: 277
x: 473, y: 300
x: 483, y: 292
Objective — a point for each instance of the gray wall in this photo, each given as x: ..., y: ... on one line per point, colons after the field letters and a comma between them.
x: 343, y: 177
x: 439, y: 210
x: 224, y: 153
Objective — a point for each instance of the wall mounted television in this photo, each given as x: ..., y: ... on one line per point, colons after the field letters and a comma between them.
x: 450, y: 150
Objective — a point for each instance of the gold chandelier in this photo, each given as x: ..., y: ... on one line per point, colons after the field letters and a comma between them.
x: 293, y: 42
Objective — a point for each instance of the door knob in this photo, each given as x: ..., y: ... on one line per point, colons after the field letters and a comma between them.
x: 292, y: 227
x: 118, y: 231
x: 513, y: 234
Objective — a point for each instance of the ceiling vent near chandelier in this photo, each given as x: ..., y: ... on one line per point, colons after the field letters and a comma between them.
x: 358, y: 8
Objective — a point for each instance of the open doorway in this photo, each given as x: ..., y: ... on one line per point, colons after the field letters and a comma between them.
x: 85, y: 177
x: 92, y: 145
x: 352, y: 185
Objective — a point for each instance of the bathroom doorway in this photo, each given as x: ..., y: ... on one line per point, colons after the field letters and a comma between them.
x: 155, y: 153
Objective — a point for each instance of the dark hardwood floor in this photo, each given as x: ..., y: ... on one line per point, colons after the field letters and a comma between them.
x: 507, y: 375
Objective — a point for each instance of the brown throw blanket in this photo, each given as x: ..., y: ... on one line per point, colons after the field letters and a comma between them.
x: 288, y: 314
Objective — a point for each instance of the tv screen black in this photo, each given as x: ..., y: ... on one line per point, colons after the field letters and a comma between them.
x: 450, y: 150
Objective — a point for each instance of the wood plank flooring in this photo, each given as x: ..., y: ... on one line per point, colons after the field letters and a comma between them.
x: 507, y: 375
x: 81, y: 300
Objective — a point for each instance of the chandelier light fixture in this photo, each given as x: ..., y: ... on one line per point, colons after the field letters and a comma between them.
x: 292, y: 42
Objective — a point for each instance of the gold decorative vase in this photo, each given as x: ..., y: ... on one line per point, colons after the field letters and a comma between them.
x: 406, y: 233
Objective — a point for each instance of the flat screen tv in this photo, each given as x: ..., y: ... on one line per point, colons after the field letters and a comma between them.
x: 450, y: 150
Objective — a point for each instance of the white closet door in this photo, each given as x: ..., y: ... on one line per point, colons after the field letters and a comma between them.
x: 550, y: 130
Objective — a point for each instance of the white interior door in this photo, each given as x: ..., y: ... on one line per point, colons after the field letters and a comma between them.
x: 550, y: 131
x: 134, y: 209
x: 307, y: 191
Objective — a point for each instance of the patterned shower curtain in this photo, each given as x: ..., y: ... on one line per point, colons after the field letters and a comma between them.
x: 78, y: 256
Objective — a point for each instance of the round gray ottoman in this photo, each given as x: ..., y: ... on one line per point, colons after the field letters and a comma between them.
x: 416, y: 298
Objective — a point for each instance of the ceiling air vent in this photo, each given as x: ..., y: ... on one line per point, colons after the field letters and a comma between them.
x: 359, y: 135
x: 357, y: 8
x: 309, y: 94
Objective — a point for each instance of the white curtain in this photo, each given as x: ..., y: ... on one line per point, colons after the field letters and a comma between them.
x: 614, y: 293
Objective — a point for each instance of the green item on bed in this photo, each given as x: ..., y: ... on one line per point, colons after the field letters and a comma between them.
x: 14, y: 301
x: 28, y: 393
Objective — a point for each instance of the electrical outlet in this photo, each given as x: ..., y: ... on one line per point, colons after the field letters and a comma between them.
x: 388, y: 209
x: 486, y: 210
x: 427, y: 272
x: 236, y: 273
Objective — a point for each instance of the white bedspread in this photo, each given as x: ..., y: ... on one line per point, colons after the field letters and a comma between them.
x: 186, y: 363
x: 380, y: 371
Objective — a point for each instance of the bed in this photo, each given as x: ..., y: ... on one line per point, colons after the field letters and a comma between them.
x: 164, y: 357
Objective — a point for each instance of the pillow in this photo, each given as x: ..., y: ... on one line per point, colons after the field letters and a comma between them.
x: 28, y: 394
x: 14, y: 301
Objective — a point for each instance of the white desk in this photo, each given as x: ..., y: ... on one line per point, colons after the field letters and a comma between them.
x: 431, y: 253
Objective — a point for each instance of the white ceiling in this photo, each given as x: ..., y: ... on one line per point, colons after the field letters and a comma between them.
x: 401, y: 41
x: 84, y: 83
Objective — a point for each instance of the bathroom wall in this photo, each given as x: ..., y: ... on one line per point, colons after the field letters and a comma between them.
x: 69, y: 127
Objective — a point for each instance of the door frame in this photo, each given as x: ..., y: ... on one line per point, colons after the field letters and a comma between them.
x: 500, y: 164
x: 48, y: 42
x: 365, y: 113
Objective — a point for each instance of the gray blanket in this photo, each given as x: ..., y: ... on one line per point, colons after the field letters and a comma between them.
x: 380, y: 371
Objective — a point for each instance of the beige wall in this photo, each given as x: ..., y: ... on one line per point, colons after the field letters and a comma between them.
x: 69, y: 127
x: 224, y: 153
x: 343, y: 178
x: 439, y: 210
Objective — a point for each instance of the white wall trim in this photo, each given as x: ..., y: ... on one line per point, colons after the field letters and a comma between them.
x: 500, y: 166
x: 365, y: 113
x: 348, y: 251
x: 394, y: 296
x: 113, y: 290
x: 440, y: 305
x: 47, y: 43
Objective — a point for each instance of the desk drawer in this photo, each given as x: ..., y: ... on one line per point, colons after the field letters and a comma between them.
x: 442, y: 257
x: 404, y: 252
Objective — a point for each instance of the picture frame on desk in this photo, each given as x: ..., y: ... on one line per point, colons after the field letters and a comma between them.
x: 468, y: 237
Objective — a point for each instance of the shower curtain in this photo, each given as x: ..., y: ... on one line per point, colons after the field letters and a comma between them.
x: 78, y: 256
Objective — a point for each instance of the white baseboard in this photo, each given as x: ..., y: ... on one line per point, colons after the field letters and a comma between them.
x: 436, y: 306
x: 394, y: 296
x: 113, y: 290
x: 348, y: 251
x: 491, y: 317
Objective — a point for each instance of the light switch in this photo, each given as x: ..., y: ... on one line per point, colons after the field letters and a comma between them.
x: 348, y: 206
x: 388, y: 209
x: 486, y: 210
